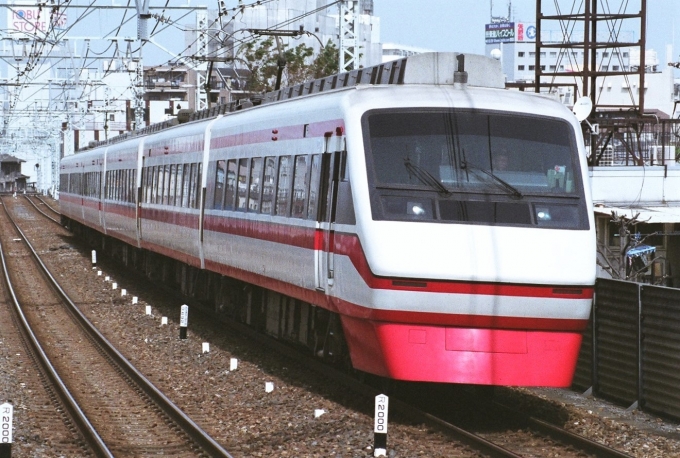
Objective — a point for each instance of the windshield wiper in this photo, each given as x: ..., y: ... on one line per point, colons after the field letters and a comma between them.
x: 425, y: 177
x: 513, y: 191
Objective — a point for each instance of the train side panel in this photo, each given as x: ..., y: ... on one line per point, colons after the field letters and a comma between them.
x: 82, y: 201
x: 120, y: 192
x: 171, y: 182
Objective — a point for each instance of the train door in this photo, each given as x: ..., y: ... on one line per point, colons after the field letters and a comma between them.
x: 325, y: 227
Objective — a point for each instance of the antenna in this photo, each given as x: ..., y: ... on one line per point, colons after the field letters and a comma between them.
x: 582, y: 108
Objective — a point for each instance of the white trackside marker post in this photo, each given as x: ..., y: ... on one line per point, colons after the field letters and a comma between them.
x: 380, y: 426
x: 183, y: 321
x: 94, y: 259
x: 6, y: 414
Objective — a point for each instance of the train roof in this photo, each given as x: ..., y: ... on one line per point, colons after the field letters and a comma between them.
x: 428, y: 68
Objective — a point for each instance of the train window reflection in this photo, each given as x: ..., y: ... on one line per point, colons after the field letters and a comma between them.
x: 255, y: 184
x: 283, y: 186
x: 268, y: 184
x: 300, y: 184
x: 242, y: 184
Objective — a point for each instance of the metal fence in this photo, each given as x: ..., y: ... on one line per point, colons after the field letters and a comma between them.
x: 631, y: 350
x: 627, y: 142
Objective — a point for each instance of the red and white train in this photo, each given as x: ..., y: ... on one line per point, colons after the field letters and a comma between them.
x: 415, y: 219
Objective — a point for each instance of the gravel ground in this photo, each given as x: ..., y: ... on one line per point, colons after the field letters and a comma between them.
x: 236, y: 409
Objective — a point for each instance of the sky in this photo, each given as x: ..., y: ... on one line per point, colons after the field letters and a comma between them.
x: 458, y: 25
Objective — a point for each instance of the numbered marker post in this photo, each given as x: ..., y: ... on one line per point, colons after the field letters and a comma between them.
x: 94, y: 259
x: 380, y: 426
x: 6, y: 414
x: 183, y: 321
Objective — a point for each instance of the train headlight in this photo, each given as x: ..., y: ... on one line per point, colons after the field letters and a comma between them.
x: 416, y: 208
x: 543, y: 214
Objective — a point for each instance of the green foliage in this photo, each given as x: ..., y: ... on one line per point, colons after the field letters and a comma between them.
x: 301, y: 65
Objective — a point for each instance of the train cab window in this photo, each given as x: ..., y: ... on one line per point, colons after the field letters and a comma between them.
x: 470, y: 163
x: 300, y: 185
x: 255, y: 184
x: 220, y: 178
x: 283, y: 186
x: 268, y: 184
x: 242, y: 185
x: 231, y: 178
x: 314, y: 181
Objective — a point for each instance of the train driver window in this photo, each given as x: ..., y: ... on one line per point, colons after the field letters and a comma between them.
x: 220, y: 177
x: 300, y: 184
x: 255, y: 184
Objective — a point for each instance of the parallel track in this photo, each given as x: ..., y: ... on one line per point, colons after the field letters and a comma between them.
x: 128, y: 416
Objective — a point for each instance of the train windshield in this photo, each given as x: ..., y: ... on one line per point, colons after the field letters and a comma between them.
x: 474, y: 166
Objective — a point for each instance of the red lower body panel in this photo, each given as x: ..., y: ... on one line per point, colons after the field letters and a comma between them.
x: 463, y: 355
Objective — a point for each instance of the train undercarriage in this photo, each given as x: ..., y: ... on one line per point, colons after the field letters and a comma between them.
x: 285, y: 318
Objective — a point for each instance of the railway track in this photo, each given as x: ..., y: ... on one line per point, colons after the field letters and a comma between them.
x: 44, y: 208
x: 114, y: 407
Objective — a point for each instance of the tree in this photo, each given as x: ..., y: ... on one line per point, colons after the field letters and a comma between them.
x: 263, y: 56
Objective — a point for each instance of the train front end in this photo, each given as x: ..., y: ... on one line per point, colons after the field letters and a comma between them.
x: 474, y: 259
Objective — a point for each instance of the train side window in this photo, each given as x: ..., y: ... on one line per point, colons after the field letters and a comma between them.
x: 133, y: 182
x: 230, y: 193
x: 180, y: 185
x: 114, y: 185
x: 283, y: 186
x: 268, y: 184
x: 199, y: 183
x: 123, y: 185
x: 171, y: 192
x: 300, y: 185
x: 154, y: 184
x: 242, y: 185
x: 255, y: 184
x: 314, y: 181
x: 186, y: 185
x: 220, y: 177
x: 120, y: 190
x: 192, y: 185
x: 148, y: 177
x: 165, y: 184
x: 195, y: 183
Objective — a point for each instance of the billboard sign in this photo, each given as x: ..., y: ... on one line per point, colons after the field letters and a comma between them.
x: 525, y: 32
x: 500, y: 32
x: 31, y: 19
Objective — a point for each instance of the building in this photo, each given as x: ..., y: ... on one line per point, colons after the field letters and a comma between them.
x: 11, y: 178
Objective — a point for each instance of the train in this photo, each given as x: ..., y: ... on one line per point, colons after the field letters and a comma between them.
x: 414, y: 220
